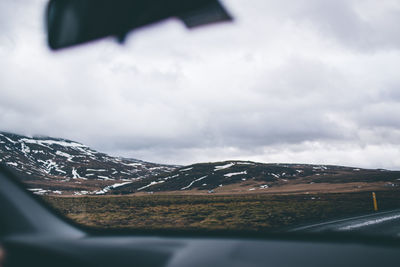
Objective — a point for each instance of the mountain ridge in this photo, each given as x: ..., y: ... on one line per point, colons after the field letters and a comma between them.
x: 48, y: 162
x: 54, y: 166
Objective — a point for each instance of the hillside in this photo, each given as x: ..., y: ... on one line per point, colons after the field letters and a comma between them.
x: 247, y: 176
x: 54, y: 166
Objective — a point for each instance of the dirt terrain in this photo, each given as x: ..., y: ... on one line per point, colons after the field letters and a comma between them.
x: 301, y: 188
x: 250, y: 212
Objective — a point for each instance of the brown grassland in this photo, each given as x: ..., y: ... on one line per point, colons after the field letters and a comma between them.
x: 254, y: 212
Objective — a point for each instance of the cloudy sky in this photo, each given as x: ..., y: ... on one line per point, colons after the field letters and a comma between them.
x: 305, y: 81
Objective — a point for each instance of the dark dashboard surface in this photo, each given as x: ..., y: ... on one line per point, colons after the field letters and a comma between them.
x: 159, y: 251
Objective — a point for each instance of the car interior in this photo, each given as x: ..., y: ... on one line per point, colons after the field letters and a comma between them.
x: 33, y: 233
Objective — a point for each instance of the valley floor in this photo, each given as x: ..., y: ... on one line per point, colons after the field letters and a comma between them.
x: 291, y: 188
x: 250, y: 212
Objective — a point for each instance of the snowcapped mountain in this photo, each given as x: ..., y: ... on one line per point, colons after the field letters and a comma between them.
x: 49, y: 165
x: 242, y: 176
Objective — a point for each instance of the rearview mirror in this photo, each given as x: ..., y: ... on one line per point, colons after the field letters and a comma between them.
x: 72, y: 22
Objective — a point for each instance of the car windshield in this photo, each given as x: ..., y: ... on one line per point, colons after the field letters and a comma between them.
x: 283, y: 119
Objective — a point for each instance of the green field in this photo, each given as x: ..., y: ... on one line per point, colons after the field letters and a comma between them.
x: 236, y: 212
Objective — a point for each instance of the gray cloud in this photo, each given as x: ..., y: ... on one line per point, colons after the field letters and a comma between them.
x: 305, y: 81
x: 364, y: 26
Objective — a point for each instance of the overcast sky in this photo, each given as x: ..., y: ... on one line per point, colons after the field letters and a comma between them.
x: 306, y: 81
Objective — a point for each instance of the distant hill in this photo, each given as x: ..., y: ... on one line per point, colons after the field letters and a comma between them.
x: 59, y: 166
x: 52, y: 164
x: 254, y: 176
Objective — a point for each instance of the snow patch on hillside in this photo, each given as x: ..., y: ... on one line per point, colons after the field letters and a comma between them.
x: 235, y: 173
x: 222, y: 167
x: 199, y: 179
x: 187, y: 169
x: 151, y: 184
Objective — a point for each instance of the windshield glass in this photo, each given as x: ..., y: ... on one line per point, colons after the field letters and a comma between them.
x: 281, y: 119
